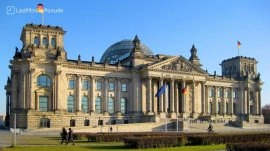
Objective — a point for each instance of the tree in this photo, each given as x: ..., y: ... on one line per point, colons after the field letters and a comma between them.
x: 266, y: 113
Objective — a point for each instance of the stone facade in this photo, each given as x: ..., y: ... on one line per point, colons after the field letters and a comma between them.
x: 45, y: 89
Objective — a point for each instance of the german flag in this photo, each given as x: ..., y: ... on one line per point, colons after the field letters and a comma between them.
x: 184, y: 91
x: 40, y: 8
x: 239, y: 44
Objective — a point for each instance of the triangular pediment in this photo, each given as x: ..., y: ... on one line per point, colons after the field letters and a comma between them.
x: 177, y: 64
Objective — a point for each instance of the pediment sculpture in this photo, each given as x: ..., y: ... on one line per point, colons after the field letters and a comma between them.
x: 178, y: 65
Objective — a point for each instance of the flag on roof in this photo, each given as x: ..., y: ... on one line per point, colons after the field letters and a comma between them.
x: 238, y: 44
x: 40, y: 8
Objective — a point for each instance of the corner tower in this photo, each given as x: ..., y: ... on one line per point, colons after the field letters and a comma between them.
x: 41, y: 41
x: 239, y: 66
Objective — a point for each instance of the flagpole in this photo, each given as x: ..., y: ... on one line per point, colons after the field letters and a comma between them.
x: 43, y: 14
x: 42, y: 19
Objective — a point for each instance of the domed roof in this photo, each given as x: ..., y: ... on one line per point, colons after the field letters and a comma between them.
x: 120, y: 50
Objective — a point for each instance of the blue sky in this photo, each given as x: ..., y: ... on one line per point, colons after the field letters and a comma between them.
x: 166, y: 27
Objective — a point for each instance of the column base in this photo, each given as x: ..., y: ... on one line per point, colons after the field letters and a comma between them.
x: 150, y: 113
x: 162, y: 115
x: 173, y: 115
x: 184, y: 115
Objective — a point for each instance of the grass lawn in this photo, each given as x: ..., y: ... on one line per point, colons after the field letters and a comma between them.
x: 108, y: 147
x: 51, y: 143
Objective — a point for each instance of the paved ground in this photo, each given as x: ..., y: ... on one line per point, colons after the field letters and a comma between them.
x: 5, y: 138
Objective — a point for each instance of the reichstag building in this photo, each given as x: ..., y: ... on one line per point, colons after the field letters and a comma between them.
x: 46, y: 89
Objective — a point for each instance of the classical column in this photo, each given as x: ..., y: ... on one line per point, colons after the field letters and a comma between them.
x: 176, y: 97
x: 161, y: 96
x: 29, y: 94
x: 259, y: 101
x: 22, y: 91
x: 78, y: 93
x: 105, y: 94
x: 223, y: 101
x: 118, y: 97
x: 207, y: 100
x: 203, y: 97
x: 172, y: 96
x: 215, y: 100
x: 183, y: 100
x: 154, y: 99
x: 149, y: 95
x: 92, y: 94
x: 248, y: 99
x: 231, y: 102
x: 193, y: 98
x: 245, y: 101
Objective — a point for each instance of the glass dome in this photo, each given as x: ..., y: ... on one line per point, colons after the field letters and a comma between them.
x: 121, y: 50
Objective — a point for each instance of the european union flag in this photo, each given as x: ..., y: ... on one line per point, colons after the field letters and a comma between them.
x: 161, y: 91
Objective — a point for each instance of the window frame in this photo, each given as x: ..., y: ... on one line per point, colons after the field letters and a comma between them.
x: 44, y: 80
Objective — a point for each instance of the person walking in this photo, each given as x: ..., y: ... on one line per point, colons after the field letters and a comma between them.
x: 63, y: 134
x: 70, y: 136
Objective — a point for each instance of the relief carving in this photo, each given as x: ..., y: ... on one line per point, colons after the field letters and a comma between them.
x: 177, y: 65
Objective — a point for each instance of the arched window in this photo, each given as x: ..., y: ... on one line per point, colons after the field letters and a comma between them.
x: 53, y: 43
x: 98, y: 105
x: 44, y: 41
x: 123, y: 105
x: 36, y: 40
x: 84, y: 104
x: 43, y: 80
x: 70, y: 104
x: 111, y: 105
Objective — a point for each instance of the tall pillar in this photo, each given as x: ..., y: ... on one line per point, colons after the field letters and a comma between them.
x: 223, y: 101
x: 193, y: 99
x: 78, y: 93
x: 118, y: 97
x: 92, y: 94
x: 248, y: 99
x: 231, y: 102
x: 149, y: 95
x: 245, y: 102
x: 215, y: 100
x: 259, y: 101
x: 203, y: 97
x: 105, y: 95
x: 172, y: 95
x: 207, y: 100
x: 176, y: 97
x: 183, y: 101
x: 22, y: 91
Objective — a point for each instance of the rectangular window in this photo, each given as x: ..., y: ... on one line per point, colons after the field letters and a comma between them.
x: 124, y: 87
x: 71, y: 84
x: 86, y: 122
x: 111, y: 86
x: 99, y: 85
x: 43, y: 103
x: 85, y: 84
